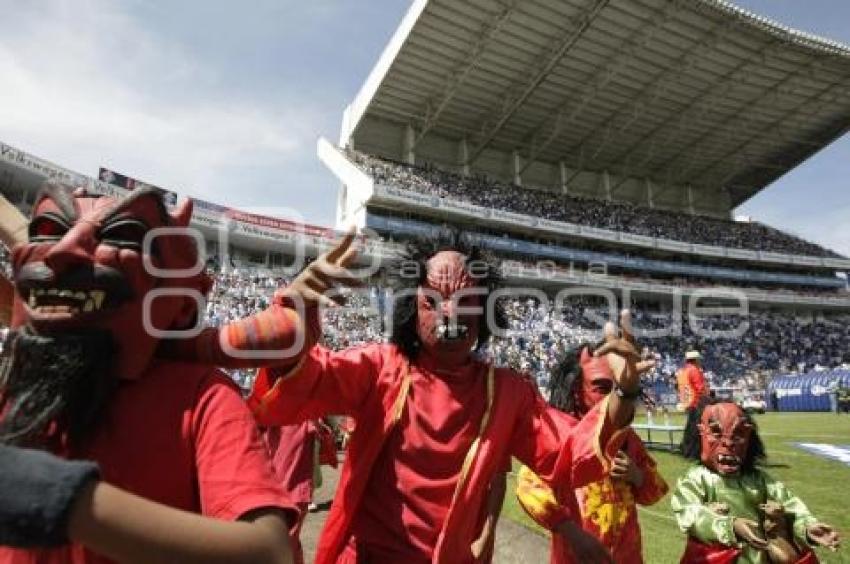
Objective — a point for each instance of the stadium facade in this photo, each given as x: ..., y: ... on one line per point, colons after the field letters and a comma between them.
x: 686, y: 108
x: 682, y: 109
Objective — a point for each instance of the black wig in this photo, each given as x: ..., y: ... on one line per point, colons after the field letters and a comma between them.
x: 692, y: 444
x: 409, y: 271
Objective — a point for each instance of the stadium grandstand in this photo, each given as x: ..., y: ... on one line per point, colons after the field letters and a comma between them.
x: 587, y: 144
x: 607, y: 144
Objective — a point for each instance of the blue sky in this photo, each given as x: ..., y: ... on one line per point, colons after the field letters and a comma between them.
x: 226, y: 104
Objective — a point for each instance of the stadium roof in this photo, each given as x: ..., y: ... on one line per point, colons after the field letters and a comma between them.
x: 678, y: 92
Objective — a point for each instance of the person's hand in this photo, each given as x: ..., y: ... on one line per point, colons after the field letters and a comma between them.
x: 718, y: 507
x: 480, y: 544
x: 749, y: 532
x: 327, y: 272
x: 585, y: 547
x: 623, y: 356
x: 38, y: 491
x: 823, y: 535
x: 624, y: 468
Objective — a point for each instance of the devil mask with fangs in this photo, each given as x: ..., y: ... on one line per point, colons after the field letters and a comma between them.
x: 440, y: 312
x: 86, y: 299
x: 723, y: 437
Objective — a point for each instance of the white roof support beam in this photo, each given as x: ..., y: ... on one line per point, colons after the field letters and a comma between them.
x: 516, y: 95
x: 652, y: 92
x: 616, y: 63
x: 698, y: 104
x: 740, y: 149
x: 733, y: 118
x: 458, y: 75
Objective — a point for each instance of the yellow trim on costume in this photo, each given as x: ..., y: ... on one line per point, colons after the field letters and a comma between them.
x: 473, y: 448
x: 401, y: 399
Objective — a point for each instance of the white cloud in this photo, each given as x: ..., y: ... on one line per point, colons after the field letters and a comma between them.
x: 85, y: 85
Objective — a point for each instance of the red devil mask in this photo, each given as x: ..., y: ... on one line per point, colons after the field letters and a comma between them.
x: 597, y: 381
x: 83, y: 268
x: 725, y: 438
x: 448, y: 310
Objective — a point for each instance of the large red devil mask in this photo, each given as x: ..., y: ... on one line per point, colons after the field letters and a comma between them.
x: 725, y: 434
x: 597, y: 381
x: 448, y: 310
x: 83, y: 269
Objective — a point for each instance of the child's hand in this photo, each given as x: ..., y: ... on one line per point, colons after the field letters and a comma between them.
x: 718, y: 507
x: 823, y: 535
x: 624, y: 468
x: 747, y: 530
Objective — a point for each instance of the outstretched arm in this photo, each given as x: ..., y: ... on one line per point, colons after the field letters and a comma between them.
x: 806, y: 527
x: 540, y: 503
x: 280, y: 335
x: 48, y: 501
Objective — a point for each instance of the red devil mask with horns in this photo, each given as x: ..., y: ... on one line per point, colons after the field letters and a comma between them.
x: 726, y: 433
x: 85, y: 268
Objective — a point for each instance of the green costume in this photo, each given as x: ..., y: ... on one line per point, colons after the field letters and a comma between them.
x: 742, y: 493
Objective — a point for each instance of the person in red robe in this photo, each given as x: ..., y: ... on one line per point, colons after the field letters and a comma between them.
x: 292, y: 449
x: 152, y: 460
x: 606, y: 509
x: 434, y: 423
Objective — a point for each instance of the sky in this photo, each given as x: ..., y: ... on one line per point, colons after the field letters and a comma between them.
x: 227, y: 104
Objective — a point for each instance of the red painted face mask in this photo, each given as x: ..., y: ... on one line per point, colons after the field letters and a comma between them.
x: 597, y: 381
x: 83, y: 269
x: 448, y: 310
x: 725, y: 437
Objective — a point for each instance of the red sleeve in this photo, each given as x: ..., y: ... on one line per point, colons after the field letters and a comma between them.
x: 234, y: 471
x: 654, y: 487
x: 560, y: 449
x: 324, y: 383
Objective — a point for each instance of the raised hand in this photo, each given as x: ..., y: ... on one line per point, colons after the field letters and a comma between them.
x: 823, y: 535
x: 749, y: 531
x: 623, y: 355
x: 327, y: 272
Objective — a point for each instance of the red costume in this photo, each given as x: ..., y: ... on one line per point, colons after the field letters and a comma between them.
x: 425, y: 447
x: 175, y: 433
x: 606, y: 508
x: 433, y: 425
x: 293, y: 458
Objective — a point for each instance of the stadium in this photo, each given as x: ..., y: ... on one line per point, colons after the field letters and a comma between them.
x: 598, y: 149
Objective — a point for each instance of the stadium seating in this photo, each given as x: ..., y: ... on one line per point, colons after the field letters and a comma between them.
x: 538, y: 336
x: 590, y: 212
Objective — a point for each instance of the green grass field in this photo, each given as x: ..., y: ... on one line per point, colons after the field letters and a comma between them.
x: 824, y: 485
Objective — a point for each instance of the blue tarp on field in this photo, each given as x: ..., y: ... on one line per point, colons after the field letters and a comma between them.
x: 806, y: 392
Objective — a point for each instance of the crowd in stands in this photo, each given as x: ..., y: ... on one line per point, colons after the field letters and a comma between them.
x: 617, y: 216
x: 538, y: 336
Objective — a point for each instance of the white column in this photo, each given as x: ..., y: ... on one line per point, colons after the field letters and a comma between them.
x: 409, y: 155
x: 463, y: 156
x: 606, y: 184
x: 562, y: 175
x: 649, y: 195
x: 690, y: 199
x: 516, y: 165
